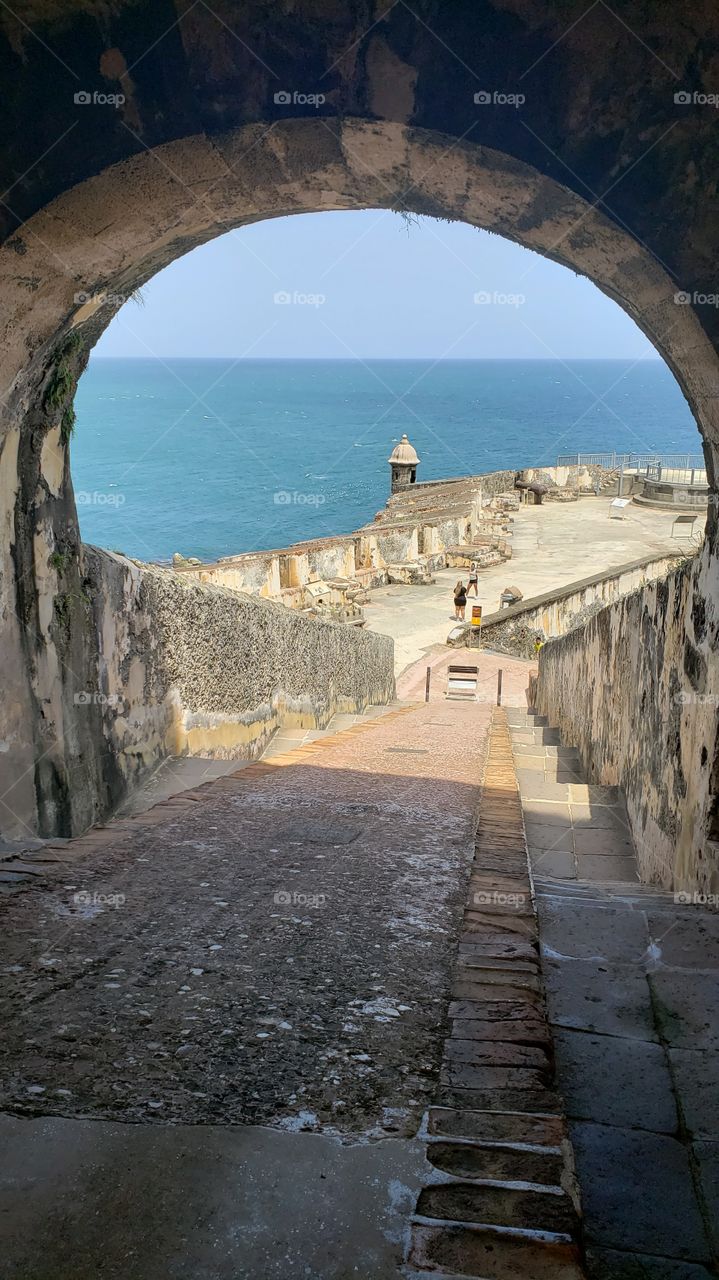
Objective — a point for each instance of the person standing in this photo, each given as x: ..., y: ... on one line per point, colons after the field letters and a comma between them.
x: 460, y: 601
x: 473, y: 574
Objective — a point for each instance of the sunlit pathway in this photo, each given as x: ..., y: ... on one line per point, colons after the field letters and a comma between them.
x: 256, y: 974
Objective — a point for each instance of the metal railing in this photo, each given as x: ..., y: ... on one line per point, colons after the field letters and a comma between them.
x: 639, y: 462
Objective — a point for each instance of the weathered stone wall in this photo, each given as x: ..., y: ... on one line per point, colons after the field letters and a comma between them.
x: 636, y: 690
x: 497, y: 482
x: 166, y: 665
x: 554, y: 613
x: 567, y: 477
x: 444, y: 514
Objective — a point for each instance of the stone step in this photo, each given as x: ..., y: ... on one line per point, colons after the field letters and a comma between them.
x: 480, y: 1251
x: 476, y: 1161
x: 590, y: 890
x: 529, y: 1209
x: 514, y: 1128
x: 497, y: 1132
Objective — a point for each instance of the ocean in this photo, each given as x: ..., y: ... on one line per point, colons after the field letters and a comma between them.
x: 213, y: 457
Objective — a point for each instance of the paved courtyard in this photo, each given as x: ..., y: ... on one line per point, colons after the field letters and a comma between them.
x: 552, y: 545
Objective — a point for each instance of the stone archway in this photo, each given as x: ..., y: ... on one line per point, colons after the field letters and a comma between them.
x: 69, y: 268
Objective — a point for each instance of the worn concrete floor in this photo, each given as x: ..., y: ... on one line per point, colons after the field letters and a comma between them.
x: 84, y: 1199
x: 632, y: 984
x: 552, y: 545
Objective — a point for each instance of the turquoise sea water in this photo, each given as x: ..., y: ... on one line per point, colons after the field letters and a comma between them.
x: 213, y: 457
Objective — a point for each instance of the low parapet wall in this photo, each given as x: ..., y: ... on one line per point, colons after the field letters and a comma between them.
x: 556, y: 612
x: 636, y: 692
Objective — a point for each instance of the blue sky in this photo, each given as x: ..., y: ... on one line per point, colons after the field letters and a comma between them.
x: 368, y: 284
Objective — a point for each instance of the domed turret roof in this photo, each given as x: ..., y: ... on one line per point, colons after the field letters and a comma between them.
x: 404, y: 452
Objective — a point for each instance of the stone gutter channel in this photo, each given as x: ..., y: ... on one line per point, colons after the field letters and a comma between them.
x: 504, y: 1204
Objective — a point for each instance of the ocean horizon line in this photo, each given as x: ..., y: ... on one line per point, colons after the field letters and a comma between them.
x: 437, y: 360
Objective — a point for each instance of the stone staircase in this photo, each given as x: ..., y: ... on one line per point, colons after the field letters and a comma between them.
x: 630, y: 974
x: 575, y: 831
x: 502, y: 1203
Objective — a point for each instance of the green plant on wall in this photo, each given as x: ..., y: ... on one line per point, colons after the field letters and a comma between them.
x: 61, y: 386
x: 58, y: 560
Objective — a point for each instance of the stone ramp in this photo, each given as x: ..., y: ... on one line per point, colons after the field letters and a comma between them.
x: 632, y: 987
x: 24, y: 859
x: 185, y: 773
x: 285, y: 740
x: 223, y: 1020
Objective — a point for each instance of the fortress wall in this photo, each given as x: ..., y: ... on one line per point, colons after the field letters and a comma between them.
x: 636, y: 691
x: 331, y: 560
x: 176, y: 666
x: 395, y: 545
x: 258, y: 573
x: 496, y: 482
x: 433, y: 517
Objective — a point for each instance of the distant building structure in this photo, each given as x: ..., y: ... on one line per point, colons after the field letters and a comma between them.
x: 404, y: 462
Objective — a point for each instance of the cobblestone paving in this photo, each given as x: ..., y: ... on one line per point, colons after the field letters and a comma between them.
x: 274, y: 948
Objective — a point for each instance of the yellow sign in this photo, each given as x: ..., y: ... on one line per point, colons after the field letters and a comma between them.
x: 476, y: 615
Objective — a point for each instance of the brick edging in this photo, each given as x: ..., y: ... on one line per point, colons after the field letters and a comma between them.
x: 503, y: 1200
